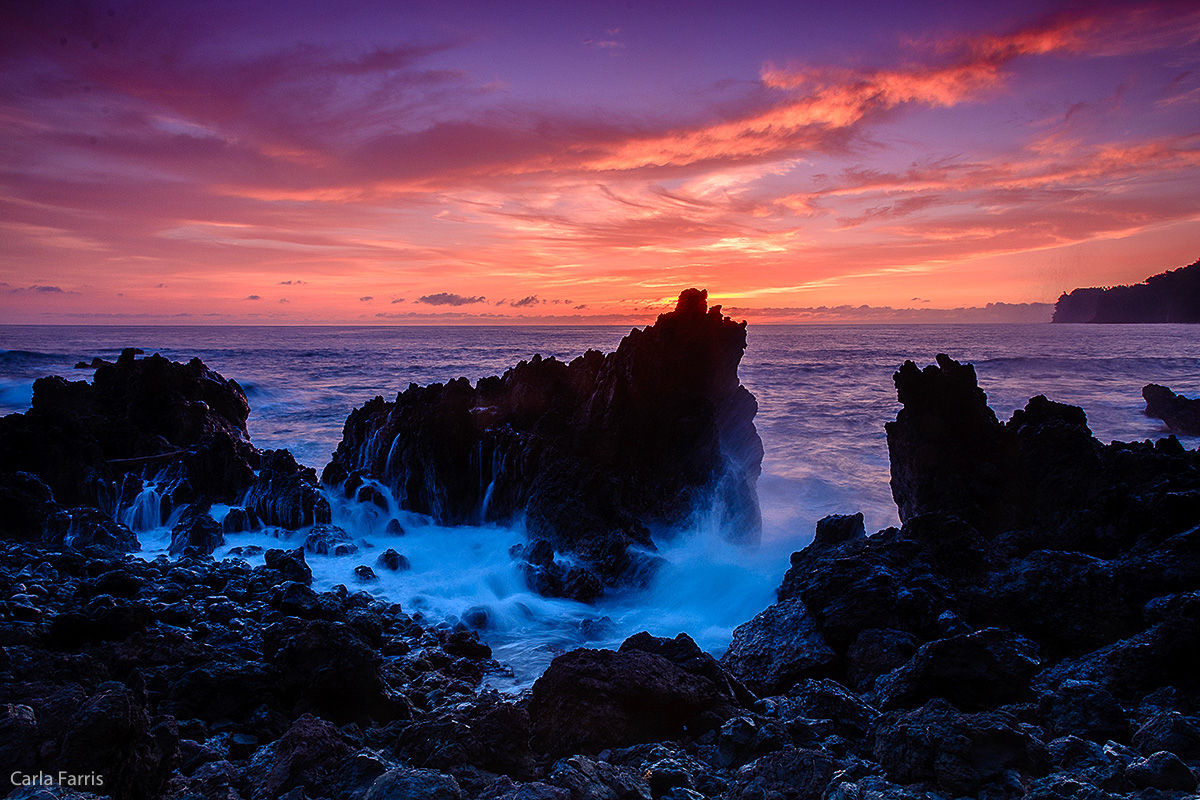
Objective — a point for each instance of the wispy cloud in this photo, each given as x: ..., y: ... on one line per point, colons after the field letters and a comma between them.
x: 336, y: 167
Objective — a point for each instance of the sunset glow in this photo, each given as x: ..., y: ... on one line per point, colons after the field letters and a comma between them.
x: 431, y: 162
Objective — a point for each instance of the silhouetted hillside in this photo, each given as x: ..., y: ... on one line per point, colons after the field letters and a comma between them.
x: 1170, y: 297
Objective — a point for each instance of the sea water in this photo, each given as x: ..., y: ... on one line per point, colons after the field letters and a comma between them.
x: 824, y: 394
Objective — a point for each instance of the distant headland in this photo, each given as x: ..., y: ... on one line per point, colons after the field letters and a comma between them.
x: 1172, y: 296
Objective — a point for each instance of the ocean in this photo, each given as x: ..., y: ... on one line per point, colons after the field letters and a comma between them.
x: 824, y: 394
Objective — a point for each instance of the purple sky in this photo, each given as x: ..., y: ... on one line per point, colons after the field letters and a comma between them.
x: 363, y: 162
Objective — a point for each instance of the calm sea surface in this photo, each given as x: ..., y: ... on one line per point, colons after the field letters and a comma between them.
x: 824, y: 394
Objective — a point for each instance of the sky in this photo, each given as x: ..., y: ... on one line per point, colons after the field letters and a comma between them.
x: 356, y: 162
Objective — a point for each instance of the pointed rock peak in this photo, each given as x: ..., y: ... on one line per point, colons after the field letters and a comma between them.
x: 692, y: 301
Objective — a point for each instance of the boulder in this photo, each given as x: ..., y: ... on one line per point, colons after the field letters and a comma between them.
x: 328, y: 669
x: 1161, y: 770
x: 289, y: 565
x: 196, y: 533
x: 485, y: 732
x: 836, y: 529
x: 1171, y: 731
x: 1181, y: 414
x: 849, y: 715
x: 286, y: 494
x: 684, y: 653
x: 1086, y: 710
x: 91, y: 527
x: 329, y: 540
x: 307, y: 756
x: 28, y: 509
x: 404, y: 783
x: 959, y: 753
x: 110, y: 736
x: 588, y: 700
x: 975, y: 671
x: 777, y: 648
x: 790, y: 774
x: 390, y: 559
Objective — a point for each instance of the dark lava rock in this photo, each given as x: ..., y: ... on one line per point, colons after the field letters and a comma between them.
x: 974, y: 671
x: 1083, y: 709
x: 584, y: 779
x: 308, y: 756
x: 588, y: 452
x: 946, y: 446
x: 875, y: 652
x: 365, y: 574
x: 1171, y: 731
x: 1162, y: 770
x: 28, y: 509
x: 297, y: 600
x: 18, y: 738
x: 1042, y: 472
x: 287, y: 494
x: 91, y: 527
x: 414, y: 784
x: 369, y: 494
x: 588, y: 700
x: 849, y: 715
x: 791, y: 774
x: 777, y: 648
x: 328, y: 669
x: 238, y: 520
x: 110, y: 735
x: 959, y: 753
x: 836, y: 529
x: 684, y: 653
x: 1181, y: 414
x: 1162, y: 655
x: 465, y: 644
x: 196, y: 533
x: 290, y: 564
x: 485, y: 732
x: 326, y: 539
x: 1069, y: 602
x: 390, y: 559
x: 222, y: 689
x: 81, y: 438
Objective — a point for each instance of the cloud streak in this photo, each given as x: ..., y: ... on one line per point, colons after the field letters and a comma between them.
x: 217, y: 166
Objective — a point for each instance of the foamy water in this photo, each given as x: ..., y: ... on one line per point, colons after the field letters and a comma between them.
x: 824, y: 394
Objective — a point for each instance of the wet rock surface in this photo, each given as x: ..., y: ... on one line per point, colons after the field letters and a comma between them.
x: 1181, y: 414
x: 1031, y: 630
x: 590, y: 453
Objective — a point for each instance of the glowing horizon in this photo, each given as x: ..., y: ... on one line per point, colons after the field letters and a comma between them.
x: 365, y: 163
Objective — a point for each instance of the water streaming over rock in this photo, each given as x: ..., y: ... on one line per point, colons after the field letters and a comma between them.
x: 824, y: 394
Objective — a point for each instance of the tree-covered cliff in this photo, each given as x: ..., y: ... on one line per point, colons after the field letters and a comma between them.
x: 1172, y: 296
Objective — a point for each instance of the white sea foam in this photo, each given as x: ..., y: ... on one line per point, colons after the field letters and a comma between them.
x: 824, y: 394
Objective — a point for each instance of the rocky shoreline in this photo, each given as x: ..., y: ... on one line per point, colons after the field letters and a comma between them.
x: 1031, y: 630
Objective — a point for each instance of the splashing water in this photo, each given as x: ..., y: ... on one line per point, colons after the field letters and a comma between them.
x: 824, y: 394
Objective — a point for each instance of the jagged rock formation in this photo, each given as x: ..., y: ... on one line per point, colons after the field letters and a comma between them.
x: 1042, y: 472
x: 951, y: 657
x: 1039, y: 601
x: 1172, y: 296
x: 150, y: 423
x: 593, y: 454
x: 1181, y: 414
